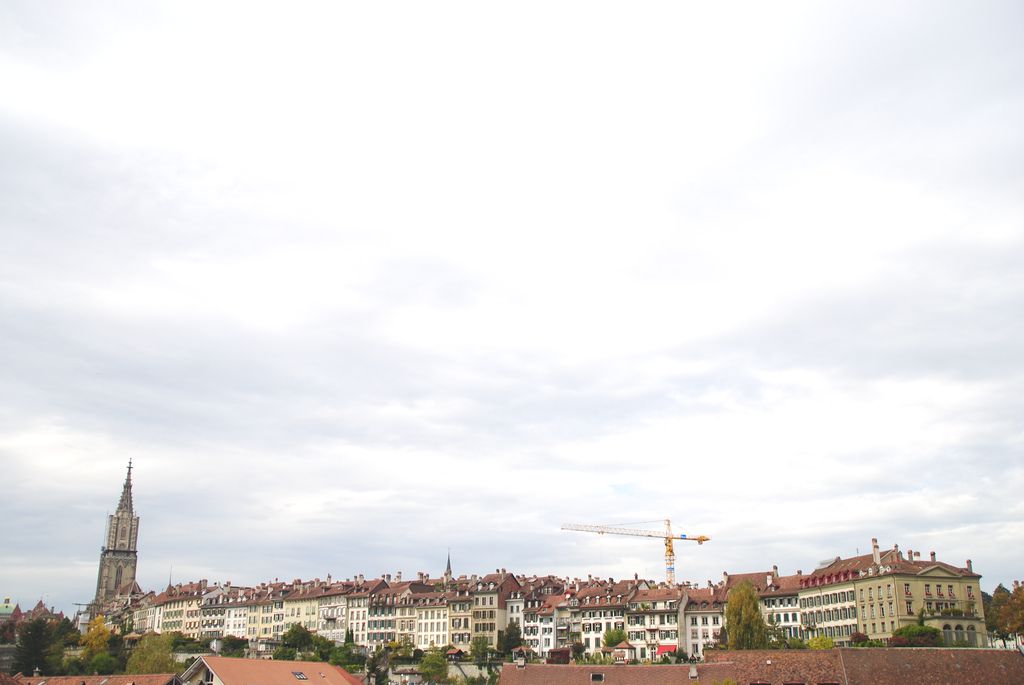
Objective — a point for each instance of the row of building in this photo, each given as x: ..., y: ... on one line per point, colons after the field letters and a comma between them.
x: 874, y: 594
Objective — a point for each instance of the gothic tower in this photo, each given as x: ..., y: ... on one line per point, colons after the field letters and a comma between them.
x: 119, y: 556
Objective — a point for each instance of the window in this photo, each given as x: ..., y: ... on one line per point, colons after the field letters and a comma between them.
x: 910, y: 608
x: 597, y: 677
x: 299, y: 675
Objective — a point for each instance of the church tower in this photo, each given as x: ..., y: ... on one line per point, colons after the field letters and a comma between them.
x: 119, y: 555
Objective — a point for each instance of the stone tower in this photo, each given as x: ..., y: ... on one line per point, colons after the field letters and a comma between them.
x: 119, y: 555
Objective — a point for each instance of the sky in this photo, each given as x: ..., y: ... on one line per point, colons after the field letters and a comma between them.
x: 356, y: 284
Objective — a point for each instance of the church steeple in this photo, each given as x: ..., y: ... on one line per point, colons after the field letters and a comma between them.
x: 119, y: 554
x: 126, y: 492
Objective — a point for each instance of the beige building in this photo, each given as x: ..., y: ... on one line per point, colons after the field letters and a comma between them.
x: 878, y: 593
x: 490, y: 609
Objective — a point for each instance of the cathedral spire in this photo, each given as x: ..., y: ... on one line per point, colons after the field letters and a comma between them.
x: 126, y: 493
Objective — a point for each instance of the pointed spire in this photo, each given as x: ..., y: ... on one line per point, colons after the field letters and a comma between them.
x: 126, y: 493
x: 448, y: 568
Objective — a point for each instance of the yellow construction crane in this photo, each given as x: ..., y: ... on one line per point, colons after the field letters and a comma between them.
x: 668, y: 536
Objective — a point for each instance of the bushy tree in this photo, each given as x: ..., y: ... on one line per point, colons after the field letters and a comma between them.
x: 795, y: 643
x: 347, y: 656
x: 233, y: 646
x: 1011, y: 617
x: 577, y: 650
x: 994, y: 607
x: 511, y: 639
x: 103, y: 663
x: 96, y: 639
x: 153, y: 654
x: 747, y: 629
x: 284, y: 653
x: 916, y: 636
x: 434, y: 667
x: 30, y: 651
x: 821, y: 642
x: 298, y: 638
x: 613, y: 637
x: 479, y: 649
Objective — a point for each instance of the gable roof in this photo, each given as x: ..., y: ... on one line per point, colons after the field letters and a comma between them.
x: 233, y: 671
x: 152, y: 679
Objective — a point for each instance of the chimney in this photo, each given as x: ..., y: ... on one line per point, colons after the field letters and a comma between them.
x: 725, y: 577
x: 970, y: 566
x: 398, y: 576
x: 910, y: 554
x: 876, y: 556
x: 799, y: 572
x: 932, y: 555
x: 775, y: 570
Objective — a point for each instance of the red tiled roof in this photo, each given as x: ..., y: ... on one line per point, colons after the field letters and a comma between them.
x: 268, y: 672
x: 154, y: 679
x: 931, y: 666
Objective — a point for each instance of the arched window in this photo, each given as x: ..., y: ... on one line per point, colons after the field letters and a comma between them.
x: 972, y: 636
x: 947, y: 634
x: 117, y: 577
x: 960, y: 637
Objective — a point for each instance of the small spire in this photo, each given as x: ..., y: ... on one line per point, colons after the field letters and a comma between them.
x: 126, y: 493
x: 448, y: 568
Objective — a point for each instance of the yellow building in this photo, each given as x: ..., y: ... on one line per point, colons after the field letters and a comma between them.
x: 878, y: 593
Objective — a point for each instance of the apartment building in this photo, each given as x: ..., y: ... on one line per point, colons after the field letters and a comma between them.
x: 876, y: 594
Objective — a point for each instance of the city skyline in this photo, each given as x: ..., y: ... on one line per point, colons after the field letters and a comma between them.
x: 355, y: 285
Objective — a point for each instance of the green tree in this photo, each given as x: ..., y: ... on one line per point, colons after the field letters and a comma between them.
x: 916, y: 636
x: 233, y: 646
x: 377, y: 667
x: 153, y: 654
x: 347, y: 656
x: 30, y: 651
x: 821, y: 642
x: 320, y: 648
x: 298, y: 638
x: 774, y: 633
x: 479, y: 649
x: 613, y: 637
x: 103, y: 664
x: 350, y: 637
x: 577, y: 650
x: 747, y: 629
x: 434, y: 667
x: 795, y: 643
x: 512, y: 639
x: 284, y: 653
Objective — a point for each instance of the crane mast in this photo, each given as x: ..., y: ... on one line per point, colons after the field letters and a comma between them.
x: 668, y: 536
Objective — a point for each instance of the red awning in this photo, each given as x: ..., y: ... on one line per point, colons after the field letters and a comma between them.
x: 664, y: 649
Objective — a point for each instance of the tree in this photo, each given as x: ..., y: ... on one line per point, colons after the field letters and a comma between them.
x: 821, y: 642
x: 1011, y: 616
x: 298, y: 638
x: 747, y: 629
x: 153, y: 654
x: 103, y: 664
x: 350, y: 637
x: 613, y: 637
x: 795, y: 643
x: 774, y: 633
x: 30, y: 650
x: 479, y: 649
x: 233, y: 646
x: 577, y: 650
x: 434, y: 667
x: 916, y: 636
x: 321, y: 648
x: 512, y: 639
x: 96, y: 639
x: 284, y: 653
x: 347, y: 656
x: 377, y: 667
x: 994, y: 608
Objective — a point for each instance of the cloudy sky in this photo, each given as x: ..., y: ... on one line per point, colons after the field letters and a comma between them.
x: 354, y: 284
